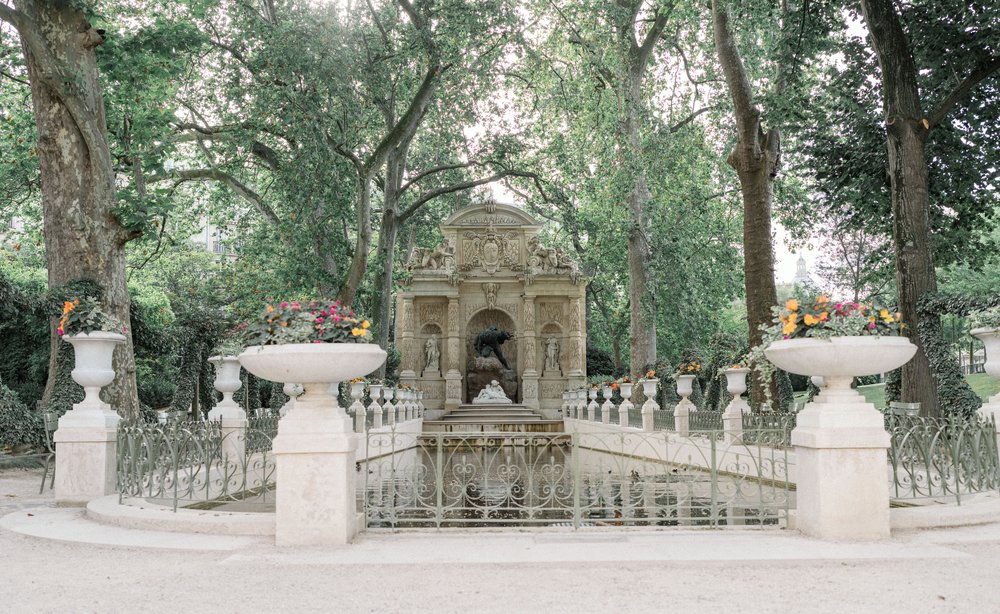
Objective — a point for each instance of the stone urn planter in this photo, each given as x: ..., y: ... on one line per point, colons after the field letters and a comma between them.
x: 592, y: 406
x: 839, y: 438
x: 227, y: 381
x: 736, y: 385
x: 991, y: 340
x: 375, y: 392
x: 92, y: 371
x: 840, y: 359
x: 685, y: 386
x: 315, y: 366
x: 607, y: 405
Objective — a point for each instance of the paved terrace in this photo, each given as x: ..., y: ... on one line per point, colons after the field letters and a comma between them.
x: 81, y: 566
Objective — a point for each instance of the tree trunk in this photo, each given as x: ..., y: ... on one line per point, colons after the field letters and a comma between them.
x: 755, y: 159
x: 83, y: 238
x: 395, y: 166
x: 363, y: 243
x: 906, y: 132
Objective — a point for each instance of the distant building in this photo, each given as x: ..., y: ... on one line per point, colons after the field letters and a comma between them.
x: 802, y: 277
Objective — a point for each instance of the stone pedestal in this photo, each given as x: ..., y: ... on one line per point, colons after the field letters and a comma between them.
x: 840, y: 446
x: 314, y: 455
x: 453, y: 390
x: 682, y: 417
x: 87, y: 443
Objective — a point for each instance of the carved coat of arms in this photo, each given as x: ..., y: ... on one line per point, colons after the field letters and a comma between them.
x: 490, y: 250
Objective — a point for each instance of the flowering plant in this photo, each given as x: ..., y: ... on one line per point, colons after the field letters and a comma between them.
x: 358, y: 380
x: 651, y: 374
x: 314, y: 322
x: 84, y: 315
x: 624, y: 380
x: 689, y: 367
x: 823, y: 318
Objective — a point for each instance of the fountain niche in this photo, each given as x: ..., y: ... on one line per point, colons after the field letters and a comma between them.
x: 492, y: 269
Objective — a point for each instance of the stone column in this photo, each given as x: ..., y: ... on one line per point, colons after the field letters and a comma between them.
x: 407, y: 367
x: 529, y: 355
x: 314, y: 456
x: 577, y: 353
x: 840, y: 448
x: 453, y: 378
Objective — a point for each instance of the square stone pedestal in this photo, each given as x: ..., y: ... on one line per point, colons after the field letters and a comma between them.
x: 314, y: 455
x: 86, y: 448
x: 842, y: 489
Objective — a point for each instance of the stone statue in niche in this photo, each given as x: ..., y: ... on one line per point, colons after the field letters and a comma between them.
x: 440, y: 258
x: 489, y: 341
x: 551, y: 354
x: 432, y: 355
x: 493, y: 393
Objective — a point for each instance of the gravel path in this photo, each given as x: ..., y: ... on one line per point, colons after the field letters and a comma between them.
x: 940, y: 571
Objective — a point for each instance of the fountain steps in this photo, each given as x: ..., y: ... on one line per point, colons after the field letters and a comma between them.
x: 506, y: 418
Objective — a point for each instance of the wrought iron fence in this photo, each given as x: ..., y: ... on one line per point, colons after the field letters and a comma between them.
x: 705, y: 421
x: 190, y: 463
x: 942, y: 457
x: 623, y: 478
x: 261, y: 431
x: 769, y: 422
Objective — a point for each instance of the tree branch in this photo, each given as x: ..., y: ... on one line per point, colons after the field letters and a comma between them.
x: 213, y: 174
x: 747, y: 115
x: 690, y: 118
x: 437, y: 169
x: 983, y: 72
x: 456, y: 187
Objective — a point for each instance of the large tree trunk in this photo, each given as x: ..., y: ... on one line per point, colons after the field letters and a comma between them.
x: 755, y: 159
x: 642, y: 317
x: 83, y: 238
x: 395, y: 166
x: 906, y: 132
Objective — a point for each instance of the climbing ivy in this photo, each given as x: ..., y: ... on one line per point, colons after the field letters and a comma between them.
x: 954, y: 394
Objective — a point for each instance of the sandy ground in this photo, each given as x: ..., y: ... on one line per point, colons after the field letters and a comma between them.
x: 941, y: 571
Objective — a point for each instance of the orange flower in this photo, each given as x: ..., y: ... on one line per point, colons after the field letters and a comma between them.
x: 791, y: 304
x: 822, y: 299
x: 614, y: 385
x: 810, y: 320
x: 789, y: 326
x: 67, y: 307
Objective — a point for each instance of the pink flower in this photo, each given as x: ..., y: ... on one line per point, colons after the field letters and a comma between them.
x: 283, y: 304
x: 296, y: 305
x: 871, y: 325
x: 336, y: 317
x: 319, y: 320
x: 59, y: 331
x: 317, y: 341
x: 839, y: 306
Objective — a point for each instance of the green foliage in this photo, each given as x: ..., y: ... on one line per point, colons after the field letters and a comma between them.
x: 954, y: 393
x: 19, y: 425
x: 598, y: 361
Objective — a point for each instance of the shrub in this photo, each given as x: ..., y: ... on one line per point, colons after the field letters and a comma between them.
x: 18, y: 424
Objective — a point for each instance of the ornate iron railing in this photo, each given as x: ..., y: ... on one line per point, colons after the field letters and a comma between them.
x: 261, y: 431
x: 705, y: 421
x: 616, y: 478
x: 189, y: 463
x: 942, y: 457
x: 769, y: 422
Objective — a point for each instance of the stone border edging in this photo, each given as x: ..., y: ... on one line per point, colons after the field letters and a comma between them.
x: 152, y: 517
